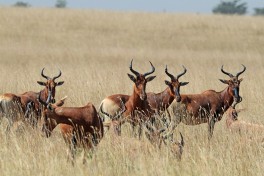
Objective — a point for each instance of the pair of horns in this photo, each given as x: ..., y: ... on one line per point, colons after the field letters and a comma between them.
x: 137, y: 73
x: 230, y: 75
x: 47, y: 77
x: 178, y: 76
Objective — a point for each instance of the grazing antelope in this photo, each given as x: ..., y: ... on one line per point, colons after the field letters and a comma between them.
x: 86, y: 125
x: 233, y: 124
x: 164, y: 134
x: 12, y: 104
x: 209, y: 106
x: 135, y: 102
x: 156, y: 102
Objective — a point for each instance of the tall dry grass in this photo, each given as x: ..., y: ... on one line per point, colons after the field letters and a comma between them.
x: 93, y: 49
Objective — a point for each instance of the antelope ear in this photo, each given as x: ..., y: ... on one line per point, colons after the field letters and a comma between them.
x: 224, y: 81
x: 184, y: 83
x: 167, y: 83
x: 132, y: 78
x: 240, y: 79
x: 41, y: 83
x: 60, y: 83
x: 150, y: 78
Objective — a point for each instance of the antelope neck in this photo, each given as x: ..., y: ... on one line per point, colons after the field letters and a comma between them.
x: 166, y: 97
x: 226, y: 97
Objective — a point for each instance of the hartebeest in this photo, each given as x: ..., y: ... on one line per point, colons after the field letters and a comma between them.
x: 161, y: 101
x: 86, y: 125
x: 209, y: 106
x: 12, y: 104
x: 156, y: 102
x: 136, y: 102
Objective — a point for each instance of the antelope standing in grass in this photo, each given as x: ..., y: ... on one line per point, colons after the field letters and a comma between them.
x: 11, y: 105
x: 209, y: 106
x: 156, y: 102
x: 135, y: 102
x: 86, y: 126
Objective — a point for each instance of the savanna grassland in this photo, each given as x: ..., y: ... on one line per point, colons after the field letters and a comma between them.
x: 93, y: 49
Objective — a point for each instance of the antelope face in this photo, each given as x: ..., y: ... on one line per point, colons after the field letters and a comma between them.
x: 50, y: 86
x: 175, y: 84
x: 49, y: 123
x: 141, y: 81
x: 233, y: 84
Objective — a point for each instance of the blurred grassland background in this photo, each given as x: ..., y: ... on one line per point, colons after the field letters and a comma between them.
x: 93, y: 50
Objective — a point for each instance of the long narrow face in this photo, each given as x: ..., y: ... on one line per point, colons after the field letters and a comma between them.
x: 50, y: 86
x: 141, y: 81
x: 175, y: 84
x: 49, y: 114
x: 233, y: 84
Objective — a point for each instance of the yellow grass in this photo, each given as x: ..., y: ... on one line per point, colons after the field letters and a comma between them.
x: 93, y: 49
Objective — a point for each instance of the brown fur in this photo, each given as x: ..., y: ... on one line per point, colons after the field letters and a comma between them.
x: 136, y: 102
x: 12, y: 104
x: 80, y: 126
x: 209, y: 106
x: 155, y: 102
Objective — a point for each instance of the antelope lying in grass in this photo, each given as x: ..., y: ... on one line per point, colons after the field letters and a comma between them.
x: 86, y: 126
x: 236, y: 125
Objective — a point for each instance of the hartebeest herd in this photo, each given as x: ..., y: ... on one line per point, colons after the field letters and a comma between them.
x: 85, y: 126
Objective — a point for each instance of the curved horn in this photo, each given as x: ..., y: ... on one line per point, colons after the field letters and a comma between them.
x: 152, y: 70
x: 131, y: 69
x: 55, y: 77
x: 244, y: 69
x: 170, y: 75
x: 42, y: 74
x: 229, y: 74
x: 184, y: 71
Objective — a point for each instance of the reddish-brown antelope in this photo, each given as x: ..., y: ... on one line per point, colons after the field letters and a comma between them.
x: 86, y: 126
x: 156, y: 102
x: 209, y: 106
x: 161, y: 101
x: 135, y: 102
x: 12, y: 104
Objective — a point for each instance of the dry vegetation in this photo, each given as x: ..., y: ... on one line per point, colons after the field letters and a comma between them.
x: 93, y: 49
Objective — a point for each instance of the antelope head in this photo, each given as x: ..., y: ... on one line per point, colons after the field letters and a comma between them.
x: 49, y: 124
x: 175, y: 84
x: 141, y: 80
x: 162, y: 130
x: 233, y: 83
x: 50, y: 86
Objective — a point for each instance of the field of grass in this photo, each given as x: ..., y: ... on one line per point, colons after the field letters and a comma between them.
x: 93, y: 49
